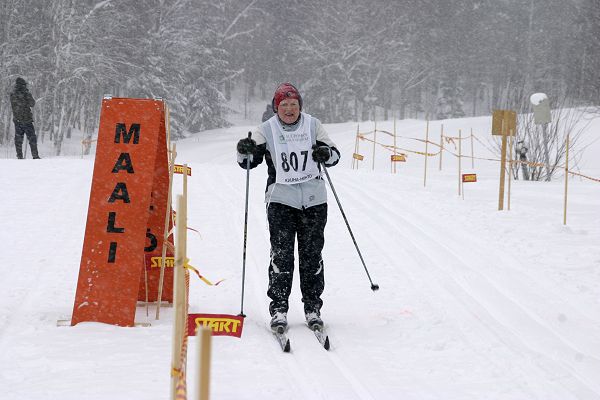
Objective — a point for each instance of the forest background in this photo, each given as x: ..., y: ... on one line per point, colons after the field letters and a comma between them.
x: 352, y: 60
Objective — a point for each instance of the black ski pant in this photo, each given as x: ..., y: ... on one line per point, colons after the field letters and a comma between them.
x: 308, y: 226
x: 22, y: 129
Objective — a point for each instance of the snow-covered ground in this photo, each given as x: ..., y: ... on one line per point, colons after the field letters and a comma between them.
x: 474, y: 303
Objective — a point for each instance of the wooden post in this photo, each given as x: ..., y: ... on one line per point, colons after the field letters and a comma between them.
x: 354, y: 160
x: 146, y: 287
x: 566, y: 181
x: 185, y: 169
x: 503, y: 162
x: 374, y: 144
x: 172, y: 156
x: 393, y: 162
x: 510, y: 164
x: 459, y: 161
x: 179, y: 295
x: 441, y: 145
x: 204, y: 354
x: 426, y: 152
x: 472, y: 154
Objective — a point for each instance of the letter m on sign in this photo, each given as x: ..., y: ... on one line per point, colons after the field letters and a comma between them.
x: 134, y: 130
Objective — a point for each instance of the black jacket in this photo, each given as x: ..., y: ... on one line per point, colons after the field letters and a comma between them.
x: 21, y: 102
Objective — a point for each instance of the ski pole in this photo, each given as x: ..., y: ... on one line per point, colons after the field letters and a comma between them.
x: 374, y: 286
x: 241, y: 314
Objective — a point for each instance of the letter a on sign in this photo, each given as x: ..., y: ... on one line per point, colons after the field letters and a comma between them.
x: 127, y: 184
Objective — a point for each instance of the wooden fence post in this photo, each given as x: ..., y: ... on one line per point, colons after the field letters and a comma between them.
x: 459, y: 160
x: 179, y: 294
x: 204, y: 355
x: 374, y: 144
x: 472, y: 154
x: 566, y: 180
x: 441, y: 145
x: 510, y: 165
x: 426, y: 152
x: 173, y: 155
x: 393, y: 162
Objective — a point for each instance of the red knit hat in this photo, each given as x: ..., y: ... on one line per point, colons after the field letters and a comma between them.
x: 283, y: 91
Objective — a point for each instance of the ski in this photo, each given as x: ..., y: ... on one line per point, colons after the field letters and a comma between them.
x: 321, y: 336
x: 282, y: 339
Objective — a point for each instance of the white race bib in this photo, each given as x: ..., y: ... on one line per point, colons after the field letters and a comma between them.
x: 293, y: 152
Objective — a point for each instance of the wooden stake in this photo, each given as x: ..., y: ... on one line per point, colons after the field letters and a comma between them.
x: 204, y: 354
x: 185, y: 168
x: 393, y: 162
x: 459, y: 161
x: 172, y: 156
x: 472, y: 154
x: 503, y: 162
x: 566, y: 181
x: 179, y: 295
x: 374, y: 144
x: 354, y: 160
x: 426, y: 152
x: 510, y: 165
x: 146, y: 286
x: 441, y: 145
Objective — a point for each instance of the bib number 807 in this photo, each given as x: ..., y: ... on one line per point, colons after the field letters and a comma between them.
x: 293, y: 161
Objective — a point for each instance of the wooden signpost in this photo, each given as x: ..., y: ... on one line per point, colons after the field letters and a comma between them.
x: 504, y: 122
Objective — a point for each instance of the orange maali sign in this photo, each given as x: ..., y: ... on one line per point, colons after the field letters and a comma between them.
x: 126, y: 213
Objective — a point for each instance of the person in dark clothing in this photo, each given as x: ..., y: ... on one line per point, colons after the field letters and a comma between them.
x: 22, y: 102
x: 521, y: 151
x: 268, y: 113
x: 294, y: 145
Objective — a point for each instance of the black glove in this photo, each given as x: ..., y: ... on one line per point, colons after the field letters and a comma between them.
x: 246, y: 146
x: 321, y: 153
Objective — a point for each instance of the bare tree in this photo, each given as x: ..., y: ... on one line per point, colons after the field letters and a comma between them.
x: 546, y: 150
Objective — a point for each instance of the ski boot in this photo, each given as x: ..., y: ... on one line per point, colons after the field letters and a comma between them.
x: 279, y: 322
x: 314, y: 321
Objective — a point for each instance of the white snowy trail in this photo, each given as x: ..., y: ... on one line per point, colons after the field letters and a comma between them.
x: 473, y: 302
x: 469, y: 307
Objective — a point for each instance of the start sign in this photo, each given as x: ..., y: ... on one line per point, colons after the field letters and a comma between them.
x: 180, y: 169
x: 127, y: 208
x: 220, y: 324
x: 469, y: 178
x: 398, y: 157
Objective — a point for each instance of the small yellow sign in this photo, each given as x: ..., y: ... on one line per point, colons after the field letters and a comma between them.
x: 156, y: 262
x: 398, y: 157
x: 358, y: 156
x: 469, y: 178
x: 178, y: 169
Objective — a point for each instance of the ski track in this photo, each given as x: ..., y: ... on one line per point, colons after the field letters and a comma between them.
x: 308, y: 363
x: 580, y: 354
x: 303, y: 385
x: 462, y: 281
